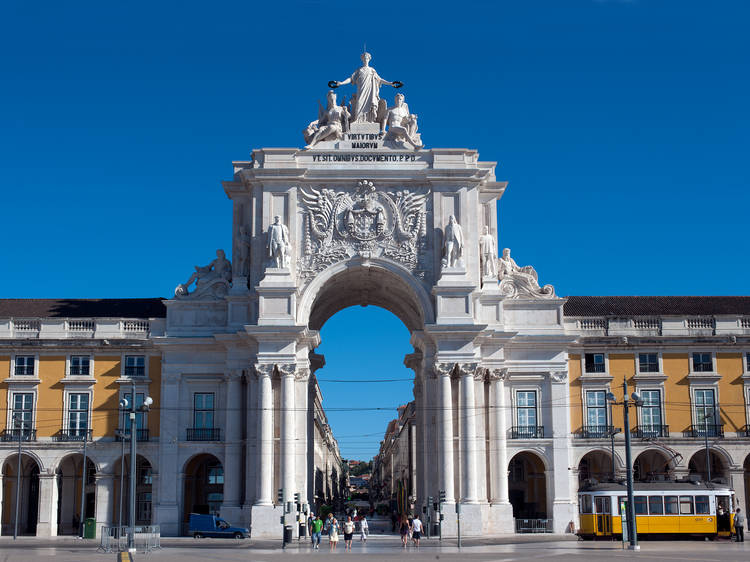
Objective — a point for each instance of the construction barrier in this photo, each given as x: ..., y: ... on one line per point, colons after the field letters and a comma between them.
x: 117, y: 539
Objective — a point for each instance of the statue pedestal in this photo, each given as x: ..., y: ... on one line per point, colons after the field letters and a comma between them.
x: 453, y: 297
x: 277, y: 297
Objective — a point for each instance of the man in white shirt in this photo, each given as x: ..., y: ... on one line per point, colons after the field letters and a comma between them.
x: 416, y: 526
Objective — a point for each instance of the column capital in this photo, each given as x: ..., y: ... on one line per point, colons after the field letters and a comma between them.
x: 286, y: 369
x: 497, y: 374
x: 264, y: 369
x: 559, y: 377
x: 470, y: 370
x: 232, y: 374
x: 441, y: 369
x: 302, y: 374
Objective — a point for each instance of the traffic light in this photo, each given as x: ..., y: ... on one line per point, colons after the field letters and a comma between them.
x: 297, y: 498
x: 280, y: 496
x: 442, y: 496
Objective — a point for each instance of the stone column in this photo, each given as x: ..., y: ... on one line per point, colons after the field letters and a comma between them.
x: 413, y: 460
x: 301, y: 430
x: 468, y: 433
x: 166, y: 505
x: 565, y: 500
x: 2, y: 497
x: 232, y: 446
x: 47, y: 520
x: 105, y: 488
x: 287, y: 372
x: 445, y: 413
x: 499, y: 449
x: 265, y: 435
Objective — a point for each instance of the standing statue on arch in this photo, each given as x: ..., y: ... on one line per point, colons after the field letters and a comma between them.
x: 366, y: 102
x: 279, y: 245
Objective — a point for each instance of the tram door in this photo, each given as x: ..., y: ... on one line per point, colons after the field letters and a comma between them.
x: 603, y: 516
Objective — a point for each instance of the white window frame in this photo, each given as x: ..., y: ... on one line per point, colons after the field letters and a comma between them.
x: 66, y: 407
x: 11, y: 393
x: 13, y: 374
x: 694, y: 403
x: 585, y: 373
x: 607, y: 405
x: 536, y: 406
x: 146, y: 358
x: 215, y: 425
x: 658, y: 359
x: 69, y: 365
x: 701, y: 373
x: 662, y: 402
x: 125, y: 391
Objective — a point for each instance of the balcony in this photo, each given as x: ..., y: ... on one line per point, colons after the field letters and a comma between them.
x: 73, y: 435
x: 527, y: 432
x: 650, y: 431
x: 204, y: 434
x: 744, y: 431
x: 596, y: 432
x: 702, y: 431
x: 13, y: 435
x: 140, y: 435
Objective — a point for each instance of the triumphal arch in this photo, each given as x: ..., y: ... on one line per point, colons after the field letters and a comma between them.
x: 367, y: 214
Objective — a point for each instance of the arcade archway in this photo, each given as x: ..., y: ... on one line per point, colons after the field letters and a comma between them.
x: 596, y: 465
x: 203, y: 486
x: 527, y: 486
x: 718, y: 465
x: 652, y: 465
x: 143, y: 491
x: 69, y: 482
x: 29, y: 498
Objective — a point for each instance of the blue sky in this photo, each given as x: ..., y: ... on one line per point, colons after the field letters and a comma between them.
x: 622, y: 127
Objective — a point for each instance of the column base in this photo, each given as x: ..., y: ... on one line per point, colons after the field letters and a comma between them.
x: 265, y: 522
x: 563, y: 514
x: 475, y: 520
x: 168, y: 518
x: 501, y: 519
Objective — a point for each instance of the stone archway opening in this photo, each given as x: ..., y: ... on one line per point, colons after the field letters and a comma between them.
x: 596, y: 466
x: 527, y: 486
x: 203, y: 487
x: 746, y: 466
x: 29, y: 498
x: 69, y: 481
x: 366, y: 402
x: 652, y: 465
x: 697, y: 467
x: 143, y: 491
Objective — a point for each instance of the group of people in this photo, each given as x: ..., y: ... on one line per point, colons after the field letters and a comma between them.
x: 410, y: 528
x: 334, y: 528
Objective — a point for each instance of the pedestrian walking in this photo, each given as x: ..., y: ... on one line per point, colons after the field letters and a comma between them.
x: 348, y: 532
x: 364, y: 528
x: 416, y: 530
x: 739, y: 525
x: 310, y: 520
x: 403, y: 530
x: 316, y: 531
x: 333, y: 534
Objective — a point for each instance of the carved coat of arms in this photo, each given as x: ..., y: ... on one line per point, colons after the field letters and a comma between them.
x: 369, y: 223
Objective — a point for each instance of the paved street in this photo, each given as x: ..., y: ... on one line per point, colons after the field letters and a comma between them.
x: 388, y: 547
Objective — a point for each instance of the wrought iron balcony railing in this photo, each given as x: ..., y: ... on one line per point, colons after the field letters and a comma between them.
x: 527, y: 432
x: 649, y: 431
x: 596, y: 432
x: 140, y: 435
x: 712, y: 430
x: 73, y: 435
x: 12, y: 435
x: 204, y: 434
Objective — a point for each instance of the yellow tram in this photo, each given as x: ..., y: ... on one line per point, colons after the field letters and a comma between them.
x: 661, y: 508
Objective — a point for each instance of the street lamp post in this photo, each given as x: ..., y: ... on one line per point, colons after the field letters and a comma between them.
x: 83, y: 485
x: 16, y: 419
x: 133, y: 438
x: 612, y: 433
x: 634, y: 400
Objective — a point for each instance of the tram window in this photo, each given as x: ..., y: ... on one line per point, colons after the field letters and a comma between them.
x: 585, y: 505
x: 686, y: 505
x: 723, y: 502
x: 656, y: 505
x: 701, y: 504
x: 671, y: 507
x: 640, y: 505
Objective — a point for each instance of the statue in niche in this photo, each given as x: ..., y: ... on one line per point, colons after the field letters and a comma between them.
x: 402, y: 125
x: 453, y: 244
x: 516, y: 282
x: 214, y: 277
x: 331, y: 123
x: 244, y: 242
x: 487, y: 253
x: 366, y: 101
x: 279, y: 245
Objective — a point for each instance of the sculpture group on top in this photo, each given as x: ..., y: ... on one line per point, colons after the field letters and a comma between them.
x: 212, y: 280
x: 520, y: 282
x: 397, y: 127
